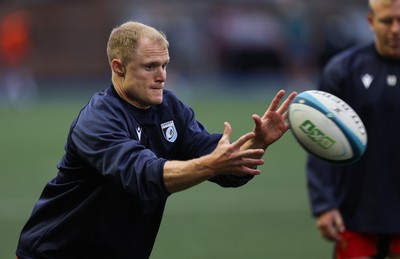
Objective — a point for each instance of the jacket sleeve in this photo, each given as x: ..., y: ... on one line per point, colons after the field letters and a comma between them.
x: 321, y: 182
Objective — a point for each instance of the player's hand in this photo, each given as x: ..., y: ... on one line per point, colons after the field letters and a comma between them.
x: 330, y: 224
x: 229, y: 158
x: 272, y: 125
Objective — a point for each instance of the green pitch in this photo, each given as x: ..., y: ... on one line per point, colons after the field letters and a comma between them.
x: 267, y: 218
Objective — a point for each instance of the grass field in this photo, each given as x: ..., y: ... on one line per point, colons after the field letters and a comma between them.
x: 267, y: 218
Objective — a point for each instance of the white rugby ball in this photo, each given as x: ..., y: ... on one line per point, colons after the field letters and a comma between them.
x: 327, y: 127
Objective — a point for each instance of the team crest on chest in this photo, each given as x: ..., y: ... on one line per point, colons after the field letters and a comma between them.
x: 169, y: 131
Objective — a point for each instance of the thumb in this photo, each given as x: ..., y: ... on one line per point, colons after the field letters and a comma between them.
x: 256, y: 119
x: 227, y: 132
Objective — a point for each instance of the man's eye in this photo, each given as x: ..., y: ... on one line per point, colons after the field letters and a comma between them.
x: 387, y: 21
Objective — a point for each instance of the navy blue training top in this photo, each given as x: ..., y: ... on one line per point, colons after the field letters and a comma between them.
x: 367, y: 193
x: 108, y: 197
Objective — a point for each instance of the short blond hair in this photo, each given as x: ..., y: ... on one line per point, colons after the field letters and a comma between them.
x: 372, y: 3
x: 124, y: 39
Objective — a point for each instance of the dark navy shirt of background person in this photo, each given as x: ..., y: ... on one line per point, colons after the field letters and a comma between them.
x: 366, y: 193
x: 108, y: 197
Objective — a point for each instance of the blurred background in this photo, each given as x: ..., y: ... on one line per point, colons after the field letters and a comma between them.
x: 227, y: 60
x: 285, y: 41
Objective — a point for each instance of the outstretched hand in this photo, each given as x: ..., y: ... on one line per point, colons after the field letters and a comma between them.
x: 230, y: 158
x: 227, y: 158
x: 272, y: 125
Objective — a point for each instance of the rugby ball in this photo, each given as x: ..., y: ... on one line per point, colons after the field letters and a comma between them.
x: 327, y: 127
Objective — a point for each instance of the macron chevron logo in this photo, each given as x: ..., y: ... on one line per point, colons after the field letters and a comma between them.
x: 367, y: 80
x: 139, y: 132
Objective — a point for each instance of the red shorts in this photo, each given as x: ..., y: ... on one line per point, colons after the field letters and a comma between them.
x: 355, y: 245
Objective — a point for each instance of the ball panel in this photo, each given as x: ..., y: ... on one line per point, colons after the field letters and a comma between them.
x: 342, y: 113
x: 327, y: 127
x: 318, y: 134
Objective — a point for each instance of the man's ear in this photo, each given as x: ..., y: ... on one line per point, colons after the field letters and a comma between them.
x: 117, y: 67
x: 370, y: 20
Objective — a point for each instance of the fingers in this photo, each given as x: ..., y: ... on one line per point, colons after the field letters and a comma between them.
x: 274, y: 106
x: 252, y: 163
x: 243, y: 139
x: 233, y: 158
x: 285, y: 105
x: 329, y: 232
x: 248, y: 170
x: 275, y: 102
x: 285, y: 116
x: 339, y: 224
x: 330, y: 224
x: 238, y: 143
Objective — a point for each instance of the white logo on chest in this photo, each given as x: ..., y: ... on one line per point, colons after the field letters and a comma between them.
x: 367, y: 80
x: 139, y: 132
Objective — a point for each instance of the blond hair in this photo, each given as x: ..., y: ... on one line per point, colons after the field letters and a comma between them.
x: 124, y: 39
x: 372, y: 3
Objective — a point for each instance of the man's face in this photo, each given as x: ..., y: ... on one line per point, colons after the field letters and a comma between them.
x: 384, y: 21
x: 146, y: 74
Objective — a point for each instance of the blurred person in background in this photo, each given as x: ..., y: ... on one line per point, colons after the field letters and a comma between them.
x: 128, y: 150
x: 358, y: 206
x: 17, y: 83
x: 250, y: 40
